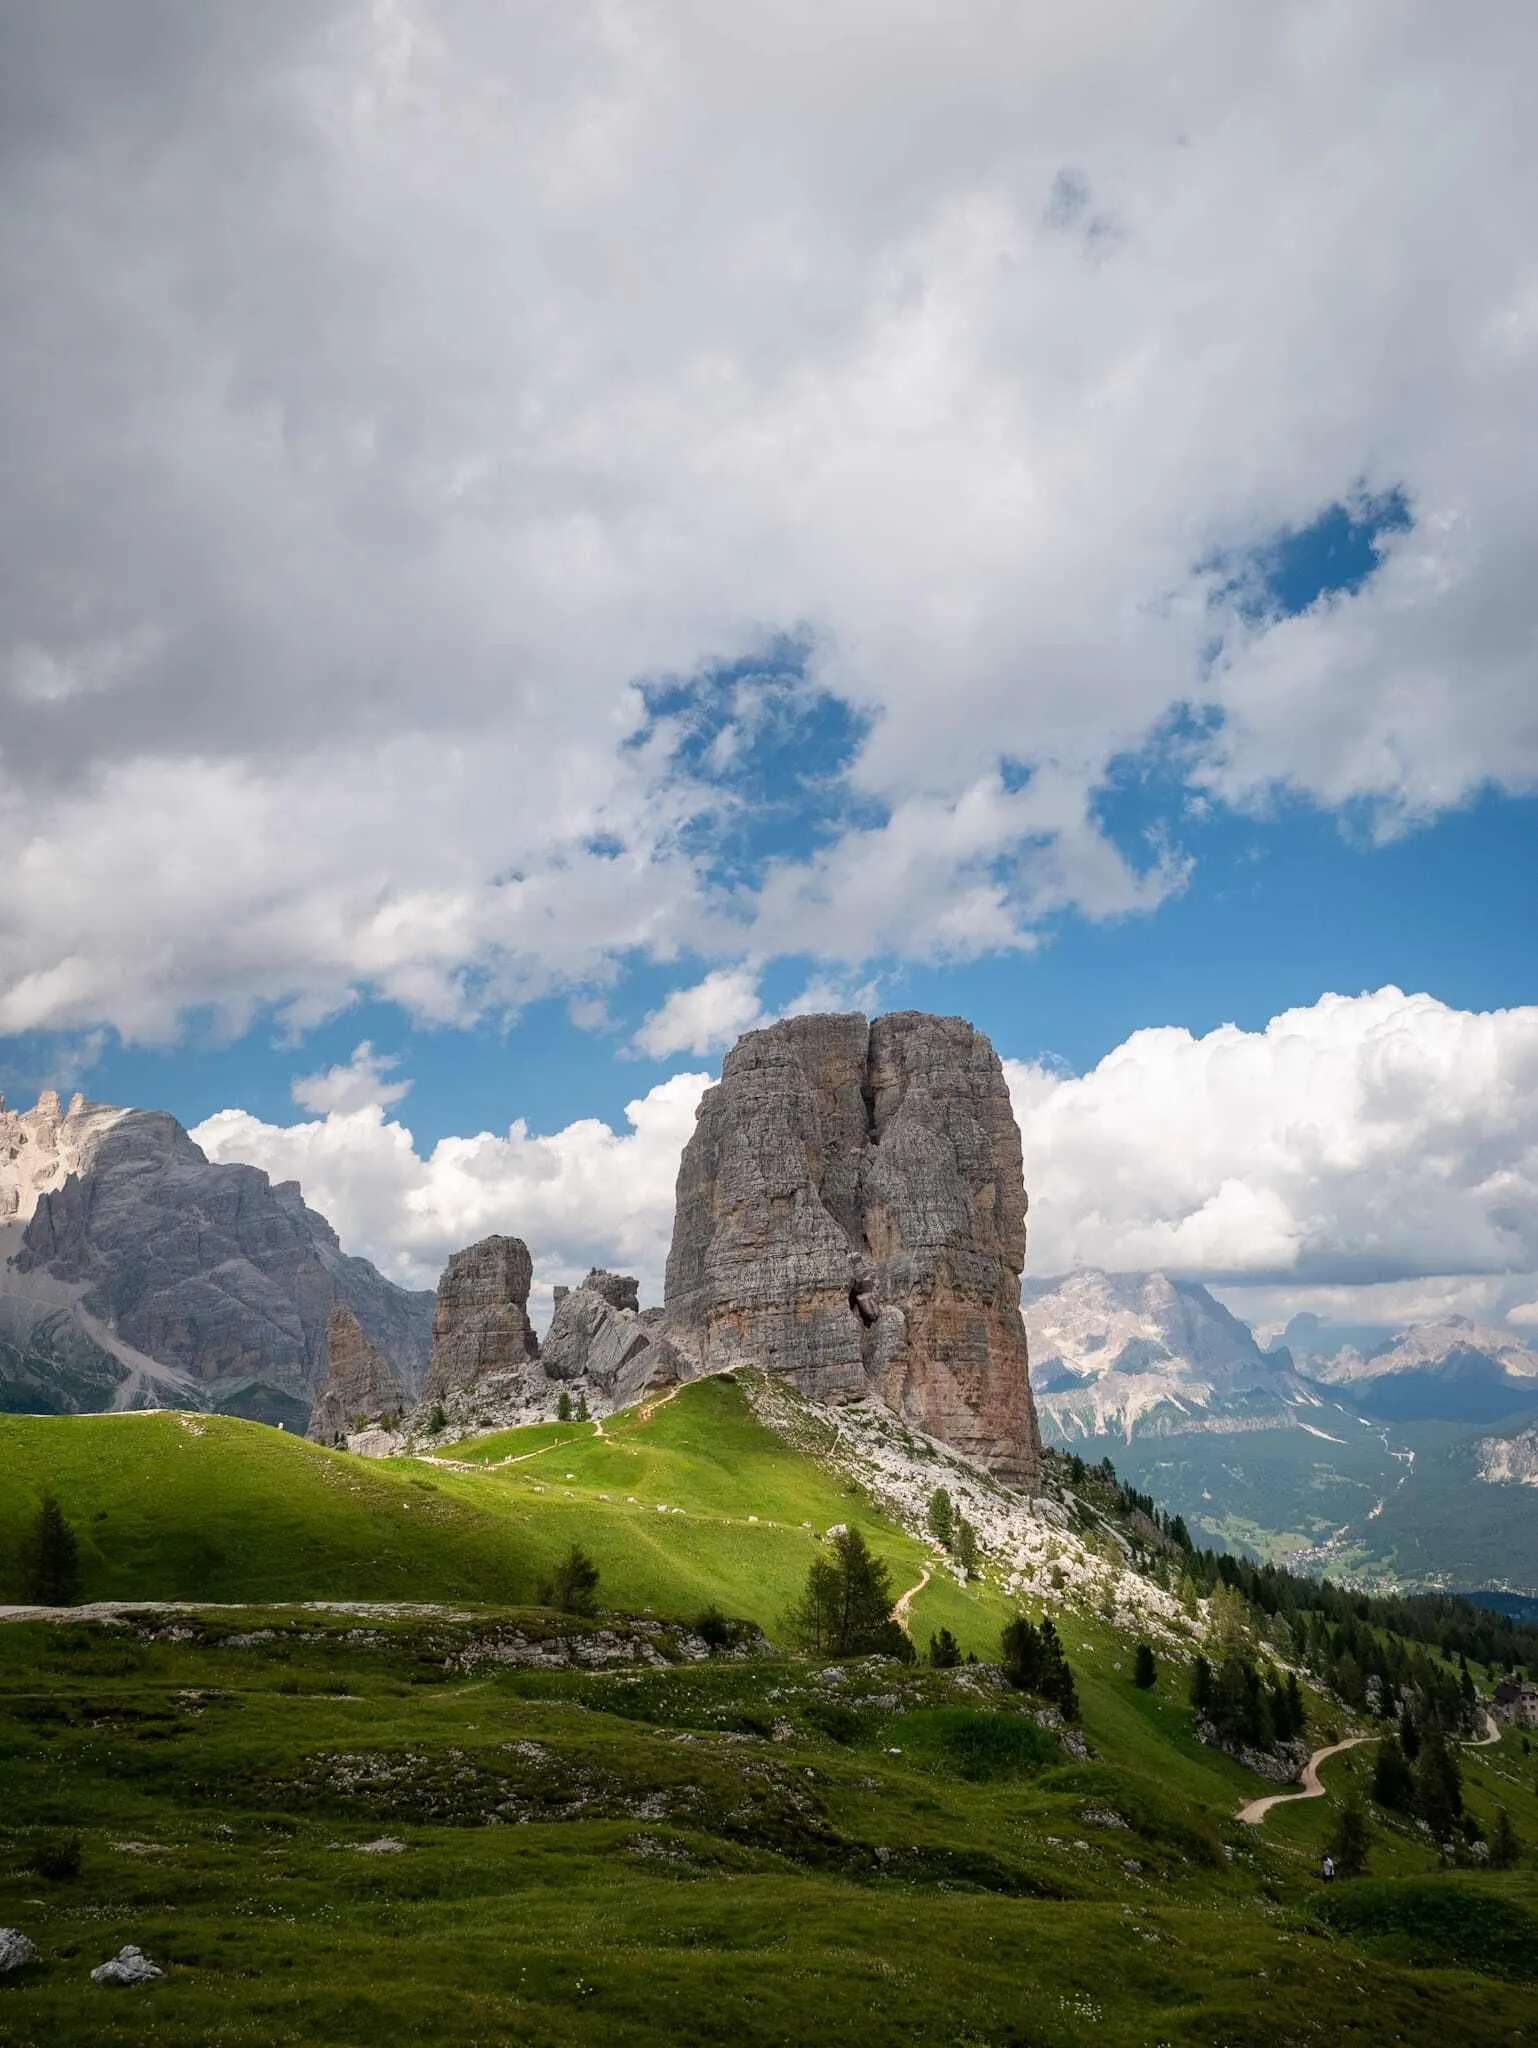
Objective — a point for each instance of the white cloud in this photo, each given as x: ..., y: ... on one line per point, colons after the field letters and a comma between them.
x: 361, y: 1083
x: 585, y: 1195
x: 1359, y: 1145
x: 714, y: 1012
x: 388, y: 383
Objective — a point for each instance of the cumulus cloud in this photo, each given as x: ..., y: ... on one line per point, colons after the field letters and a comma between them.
x: 585, y: 1195
x: 713, y: 1012
x: 388, y: 384
x: 360, y: 1083
x: 1364, y: 1144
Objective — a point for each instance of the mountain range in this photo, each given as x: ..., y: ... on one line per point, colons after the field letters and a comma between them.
x: 1385, y: 1455
x: 137, y: 1273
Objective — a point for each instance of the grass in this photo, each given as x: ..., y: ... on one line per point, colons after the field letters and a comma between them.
x: 744, y: 1850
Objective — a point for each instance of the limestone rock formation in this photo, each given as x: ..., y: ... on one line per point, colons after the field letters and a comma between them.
x: 481, y: 1322
x: 600, y: 1340
x: 851, y: 1213
x: 361, y: 1385
x: 146, y: 1274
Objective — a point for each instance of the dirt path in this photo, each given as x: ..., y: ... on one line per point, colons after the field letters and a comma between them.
x: 905, y: 1601
x: 1257, y: 1809
x: 1491, y: 1735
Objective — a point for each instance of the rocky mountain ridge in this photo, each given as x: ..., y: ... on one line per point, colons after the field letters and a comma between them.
x: 136, y: 1272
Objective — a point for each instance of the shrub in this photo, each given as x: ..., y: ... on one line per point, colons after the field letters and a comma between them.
x: 1145, y: 1672
x: 437, y: 1422
x: 57, y: 1858
x: 714, y: 1629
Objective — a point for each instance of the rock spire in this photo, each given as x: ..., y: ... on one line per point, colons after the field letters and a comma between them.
x: 851, y: 1213
x: 361, y: 1385
x: 481, y: 1323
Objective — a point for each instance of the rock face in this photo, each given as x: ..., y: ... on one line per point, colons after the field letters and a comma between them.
x: 481, y: 1322
x: 361, y: 1384
x: 851, y: 1213
x: 600, y: 1339
x: 181, y: 1281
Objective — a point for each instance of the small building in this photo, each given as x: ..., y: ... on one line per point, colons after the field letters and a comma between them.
x: 1516, y: 1700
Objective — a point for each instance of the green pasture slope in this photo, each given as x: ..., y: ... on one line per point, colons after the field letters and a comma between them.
x: 746, y: 1851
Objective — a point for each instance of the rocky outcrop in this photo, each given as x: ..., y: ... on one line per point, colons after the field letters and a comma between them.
x: 481, y: 1324
x: 600, y: 1340
x: 851, y: 1214
x: 196, y: 1283
x: 361, y: 1386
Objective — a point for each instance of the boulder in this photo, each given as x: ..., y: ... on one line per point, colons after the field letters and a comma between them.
x: 361, y: 1386
x: 15, y: 1950
x: 850, y: 1213
x: 481, y: 1322
x: 129, y: 1966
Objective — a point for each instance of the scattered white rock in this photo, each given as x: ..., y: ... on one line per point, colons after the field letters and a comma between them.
x: 15, y: 1950
x: 383, y: 1845
x: 129, y: 1966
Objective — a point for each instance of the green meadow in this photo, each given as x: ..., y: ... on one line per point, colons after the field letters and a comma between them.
x: 335, y: 1827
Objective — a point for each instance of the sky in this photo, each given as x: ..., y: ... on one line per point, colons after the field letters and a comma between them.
x: 534, y: 539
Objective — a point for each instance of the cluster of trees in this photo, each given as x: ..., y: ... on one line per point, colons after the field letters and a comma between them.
x: 565, y: 1412
x: 1033, y: 1660
x: 948, y: 1525
x: 1246, y: 1705
x: 1370, y: 1649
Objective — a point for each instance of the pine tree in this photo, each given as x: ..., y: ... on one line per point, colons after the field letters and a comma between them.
x: 50, y: 1558
x: 1505, y: 1849
x: 563, y: 1407
x: 1145, y: 1672
x: 846, y: 1607
x: 967, y: 1554
x: 573, y: 1585
x: 1393, y: 1781
x: 1438, y: 1787
x: 944, y: 1651
x: 582, y: 1414
x: 1352, y: 1838
x: 941, y: 1516
x: 1201, y: 1685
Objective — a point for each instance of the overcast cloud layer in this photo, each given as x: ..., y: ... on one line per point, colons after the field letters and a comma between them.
x: 1379, y: 1150
x: 387, y: 389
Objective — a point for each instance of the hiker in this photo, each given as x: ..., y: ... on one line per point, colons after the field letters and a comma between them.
x: 1327, y: 1869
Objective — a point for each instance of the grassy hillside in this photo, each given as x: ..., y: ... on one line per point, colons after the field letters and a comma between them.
x: 746, y: 1850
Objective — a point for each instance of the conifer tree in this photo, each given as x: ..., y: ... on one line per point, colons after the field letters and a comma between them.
x: 1505, y: 1849
x: 967, y: 1554
x: 944, y: 1651
x: 50, y: 1558
x: 1145, y: 1672
x: 573, y: 1585
x: 941, y: 1516
x: 1393, y: 1781
x: 1352, y: 1838
x: 563, y: 1407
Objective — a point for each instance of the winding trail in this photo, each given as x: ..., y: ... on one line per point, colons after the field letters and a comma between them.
x: 1491, y: 1735
x: 1256, y: 1811
x: 900, y: 1613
